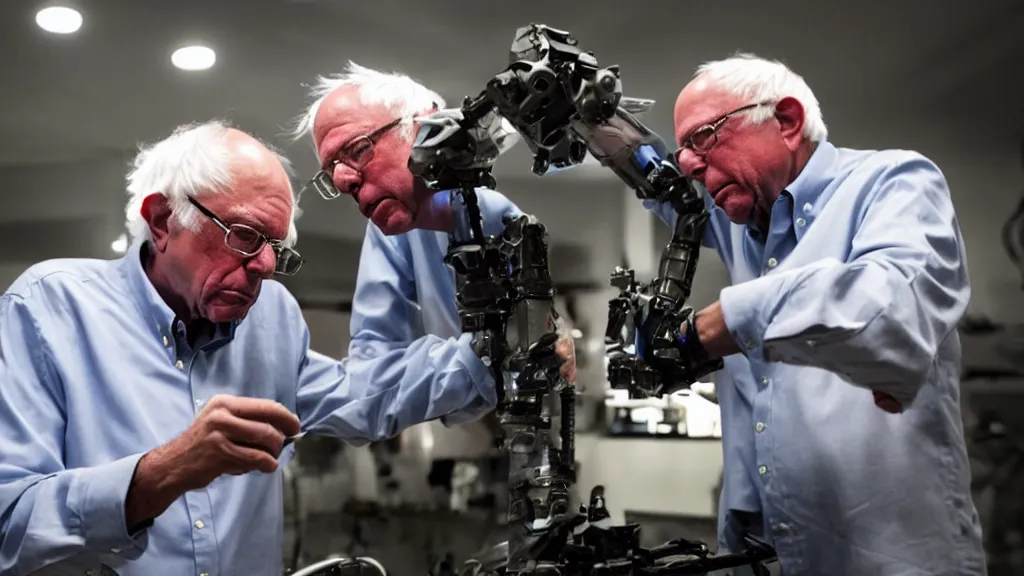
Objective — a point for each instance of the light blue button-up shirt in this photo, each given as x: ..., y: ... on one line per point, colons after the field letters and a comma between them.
x: 858, y: 284
x: 95, y: 371
x: 405, y: 294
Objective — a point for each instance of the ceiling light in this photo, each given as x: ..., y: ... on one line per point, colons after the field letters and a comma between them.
x: 59, y: 20
x: 193, y: 58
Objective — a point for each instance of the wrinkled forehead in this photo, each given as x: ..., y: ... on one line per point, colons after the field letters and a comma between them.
x: 700, y: 103
x: 342, y: 115
x: 259, y: 194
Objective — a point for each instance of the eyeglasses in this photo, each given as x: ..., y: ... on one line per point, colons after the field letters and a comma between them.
x: 356, y: 154
x: 248, y: 241
x: 705, y: 137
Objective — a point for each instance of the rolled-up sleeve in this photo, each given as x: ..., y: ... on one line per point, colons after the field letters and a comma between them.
x: 878, y: 318
x: 392, y: 378
x: 49, y: 513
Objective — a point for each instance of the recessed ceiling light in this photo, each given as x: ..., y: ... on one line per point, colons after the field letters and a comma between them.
x: 194, y: 58
x: 59, y: 20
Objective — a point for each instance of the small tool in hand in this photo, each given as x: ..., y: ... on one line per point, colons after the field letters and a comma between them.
x: 291, y: 439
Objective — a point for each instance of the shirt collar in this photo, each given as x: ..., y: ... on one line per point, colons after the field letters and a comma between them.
x: 814, y: 178
x: 803, y: 193
x: 149, y: 300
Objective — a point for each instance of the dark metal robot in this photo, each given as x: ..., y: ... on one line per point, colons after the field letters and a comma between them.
x: 563, y: 105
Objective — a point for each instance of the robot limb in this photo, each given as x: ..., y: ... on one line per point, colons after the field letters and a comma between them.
x: 563, y: 105
x: 647, y: 353
x: 505, y: 299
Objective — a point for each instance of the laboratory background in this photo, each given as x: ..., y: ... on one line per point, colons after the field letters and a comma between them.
x: 79, y: 95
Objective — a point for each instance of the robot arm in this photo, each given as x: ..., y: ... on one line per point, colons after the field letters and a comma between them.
x: 564, y: 106
x: 505, y: 298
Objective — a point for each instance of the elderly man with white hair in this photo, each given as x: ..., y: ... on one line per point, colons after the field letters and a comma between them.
x: 362, y: 123
x: 842, y: 434
x: 145, y: 402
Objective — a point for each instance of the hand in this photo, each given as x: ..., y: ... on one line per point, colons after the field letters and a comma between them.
x: 231, y: 435
x: 713, y: 333
x: 566, y: 350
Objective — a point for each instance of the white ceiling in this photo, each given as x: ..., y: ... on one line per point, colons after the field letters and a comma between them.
x: 111, y: 85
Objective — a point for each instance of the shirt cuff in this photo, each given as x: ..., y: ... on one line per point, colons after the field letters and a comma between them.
x: 97, y: 497
x: 742, y: 311
x: 483, y: 393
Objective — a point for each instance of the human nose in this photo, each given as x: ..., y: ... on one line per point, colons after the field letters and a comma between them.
x: 263, y: 263
x: 346, y: 179
x: 691, y: 163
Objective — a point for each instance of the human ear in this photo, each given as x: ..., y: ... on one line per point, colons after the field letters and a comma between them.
x: 156, y: 211
x: 789, y: 113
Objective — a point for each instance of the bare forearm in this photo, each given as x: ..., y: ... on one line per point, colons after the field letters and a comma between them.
x: 153, y: 489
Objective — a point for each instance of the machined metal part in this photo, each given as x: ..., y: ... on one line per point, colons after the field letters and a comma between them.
x: 517, y: 336
x: 564, y: 106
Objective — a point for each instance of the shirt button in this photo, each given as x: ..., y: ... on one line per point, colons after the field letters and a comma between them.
x: 89, y: 573
x: 750, y: 344
x: 204, y: 574
x: 759, y: 426
x: 762, y: 469
x: 772, y: 262
x: 115, y: 550
x: 166, y: 342
x: 764, y: 381
x: 807, y: 208
x: 199, y: 401
x: 180, y: 364
x: 199, y: 524
x: 801, y: 222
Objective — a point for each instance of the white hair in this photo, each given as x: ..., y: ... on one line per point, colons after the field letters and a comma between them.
x: 195, y: 159
x: 757, y: 79
x: 398, y: 93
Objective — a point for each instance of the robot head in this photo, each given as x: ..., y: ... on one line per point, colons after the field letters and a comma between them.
x: 451, y: 148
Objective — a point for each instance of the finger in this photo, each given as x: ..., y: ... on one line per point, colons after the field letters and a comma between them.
x: 252, y: 433
x: 263, y: 410
x: 244, y: 459
x: 886, y: 402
